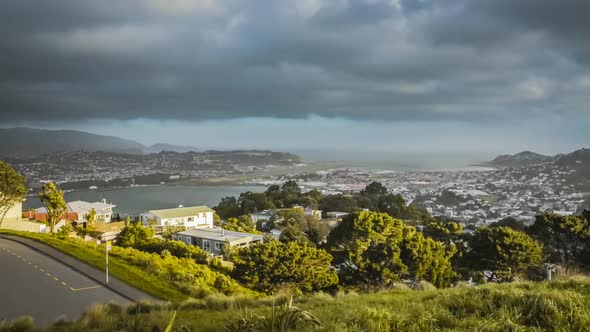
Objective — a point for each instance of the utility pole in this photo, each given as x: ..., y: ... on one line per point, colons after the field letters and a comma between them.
x: 107, y: 249
x: 549, y: 269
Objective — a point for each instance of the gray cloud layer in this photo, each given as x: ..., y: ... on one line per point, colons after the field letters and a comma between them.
x: 472, y: 60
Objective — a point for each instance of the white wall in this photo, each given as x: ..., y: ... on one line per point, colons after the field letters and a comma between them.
x: 15, y: 213
x: 200, y: 220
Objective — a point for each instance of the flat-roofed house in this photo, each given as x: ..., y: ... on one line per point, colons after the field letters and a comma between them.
x: 213, y: 240
x: 189, y: 217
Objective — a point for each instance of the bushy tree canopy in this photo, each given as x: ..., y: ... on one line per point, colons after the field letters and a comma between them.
x: 54, y: 202
x: 270, y: 265
x: 378, y: 250
x: 243, y: 223
x: 133, y: 235
x: 504, y: 252
x: 566, y: 238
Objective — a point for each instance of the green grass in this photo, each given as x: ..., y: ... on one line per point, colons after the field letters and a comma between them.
x: 562, y: 305
x: 94, y: 255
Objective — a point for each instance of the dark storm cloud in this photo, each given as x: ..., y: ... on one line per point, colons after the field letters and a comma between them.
x: 373, y: 59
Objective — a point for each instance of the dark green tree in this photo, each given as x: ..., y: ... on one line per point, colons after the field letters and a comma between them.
x: 506, y: 252
x: 270, y: 265
x: 313, y: 198
x: 273, y: 193
x: 290, y: 188
x: 253, y: 202
x: 291, y: 194
x: 342, y: 203
x: 394, y: 205
x: 228, y: 207
x: 374, y: 189
x: 565, y: 237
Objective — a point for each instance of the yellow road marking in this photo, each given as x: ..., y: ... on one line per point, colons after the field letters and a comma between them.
x: 54, y: 278
x: 63, y: 283
x: 84, y: 288
x: 49, y: 274
x: 36, y: 266
x: 30, y: 263
x: 41, y: 270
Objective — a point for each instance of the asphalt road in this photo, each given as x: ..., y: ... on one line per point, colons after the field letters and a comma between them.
x: 34, y: 284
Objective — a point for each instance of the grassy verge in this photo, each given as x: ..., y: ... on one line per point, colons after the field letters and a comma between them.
x: 93, y: 254
x: 562, y: 305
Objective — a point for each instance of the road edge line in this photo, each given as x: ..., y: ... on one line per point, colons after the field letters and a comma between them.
x: 3, y: 236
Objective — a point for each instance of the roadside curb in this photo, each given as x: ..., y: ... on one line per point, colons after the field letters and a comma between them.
x: 90, y: 270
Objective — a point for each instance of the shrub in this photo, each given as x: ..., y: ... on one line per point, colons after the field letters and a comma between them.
x: 279, y: 319
x: 424, y: 286
x: 175, y: 248
x: 64, y: 232
x: 21, y: 324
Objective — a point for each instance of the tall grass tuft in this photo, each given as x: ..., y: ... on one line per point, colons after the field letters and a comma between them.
x: 21, y: 324
x: 279, y: 319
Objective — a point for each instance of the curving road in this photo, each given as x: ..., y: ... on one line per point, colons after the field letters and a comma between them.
x: 34, y: 284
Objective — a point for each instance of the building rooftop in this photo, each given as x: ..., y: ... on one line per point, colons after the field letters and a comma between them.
x: 180, y: 212
x: 218, y: 234
x: 82, y: 207
x: 85, y: 207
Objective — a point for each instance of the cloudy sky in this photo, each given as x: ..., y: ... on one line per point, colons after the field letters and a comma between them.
x: 481, y: 76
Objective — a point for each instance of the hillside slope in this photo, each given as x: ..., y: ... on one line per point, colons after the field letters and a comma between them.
x: 522, y: 159
x: 562, y: 305
x: 29, y: 142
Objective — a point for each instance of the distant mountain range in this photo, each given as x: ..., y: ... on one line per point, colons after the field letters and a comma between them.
x: 29, y: 142
x: 528, y: 158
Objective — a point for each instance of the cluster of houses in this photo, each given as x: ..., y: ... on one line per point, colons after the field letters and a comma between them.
x: 197, y: 222
x: 200, y: 231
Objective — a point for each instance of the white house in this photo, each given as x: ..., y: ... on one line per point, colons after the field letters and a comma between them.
x: 104, y: 211
x: 189, y: 217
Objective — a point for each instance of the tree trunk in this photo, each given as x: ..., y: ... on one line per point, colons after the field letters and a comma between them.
x: 3, y: 215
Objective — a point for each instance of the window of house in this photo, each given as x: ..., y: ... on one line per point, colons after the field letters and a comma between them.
x: 190, y: 219
x: 219, y: 245
x: 189, y: 240
x: 206, y: 245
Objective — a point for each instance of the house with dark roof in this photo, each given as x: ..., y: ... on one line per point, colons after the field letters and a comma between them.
x: 213, y: 240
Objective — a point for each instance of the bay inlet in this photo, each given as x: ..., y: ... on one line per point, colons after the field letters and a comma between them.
x: 135, y: 200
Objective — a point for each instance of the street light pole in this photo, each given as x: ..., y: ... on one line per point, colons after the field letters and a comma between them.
x: 107, y: 248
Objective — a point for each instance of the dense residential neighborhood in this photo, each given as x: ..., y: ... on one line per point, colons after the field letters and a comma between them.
x: 474, y: 195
